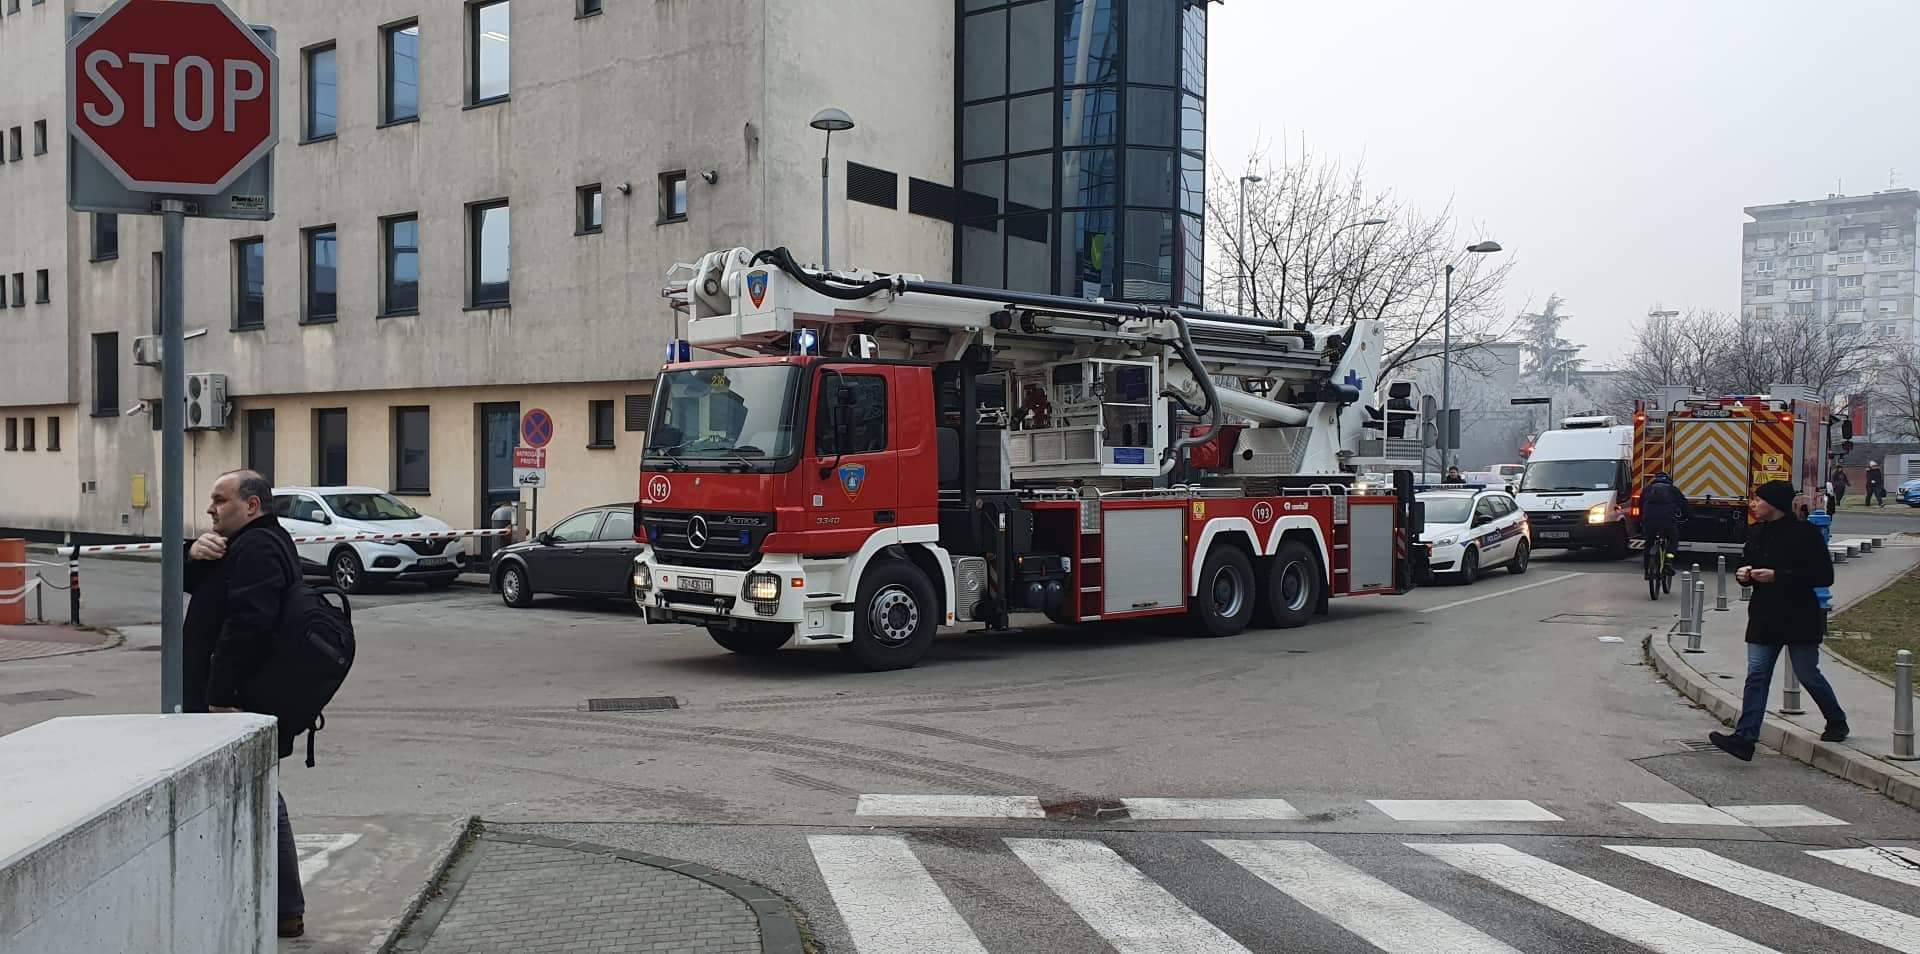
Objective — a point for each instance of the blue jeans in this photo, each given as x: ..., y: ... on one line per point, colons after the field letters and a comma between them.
x: 1805, y: 659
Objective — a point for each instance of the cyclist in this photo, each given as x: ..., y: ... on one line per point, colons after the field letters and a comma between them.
x: 1663, y: 508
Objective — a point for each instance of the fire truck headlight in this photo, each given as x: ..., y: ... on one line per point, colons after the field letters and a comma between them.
x: 1597, y: 513
x: 763, y: 588
x: 642, y: 577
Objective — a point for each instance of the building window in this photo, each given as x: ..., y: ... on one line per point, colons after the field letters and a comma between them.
x: 1846, y: 281
x: 322, y: 94
x: 13, y: 144
x: 1889, y: 307
x: 490, y: 274
x: 1802, y: 284
x: 1889, y: 281
x: 1852, y: 258
x: 1800, y: 261
x: 322, y: 273
x: 1763, y: 288
x: 1800, y: 238
x: 250, y: 283
x: 41, y: 292
x: 490, y: 36
x: 1800, y: 309
x: 39, y: 137
x: 1853, y: 304
x: 412, y: 437
x: 1886, y: 232
x: 26, y: 433
x: 259, y: 450
x: 330, y: 446
x: 400, y: 262
x: 1762, y: 312
x: 639, y: 411
x: 587, y: 216
x: 673, y: 196
x: 600, y: 418
x: 400, y: 82
x: 588, y: 8
x: 106, y: 236
x: 19, y: 289
x: 1763, y: 267
x: 53, y: 433
x: 13, y: 433
x: 106, y: 374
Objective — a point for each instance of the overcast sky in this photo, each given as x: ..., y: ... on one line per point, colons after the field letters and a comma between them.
x: 1610, y: 146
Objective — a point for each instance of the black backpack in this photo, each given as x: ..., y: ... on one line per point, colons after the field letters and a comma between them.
x: 312, y: 651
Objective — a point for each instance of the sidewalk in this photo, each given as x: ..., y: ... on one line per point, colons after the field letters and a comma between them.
x: 35, y: 640
x: 510, y: 893
x: 1715, y: 677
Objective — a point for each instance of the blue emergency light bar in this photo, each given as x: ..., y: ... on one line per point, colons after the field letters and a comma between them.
x: 679, y: 349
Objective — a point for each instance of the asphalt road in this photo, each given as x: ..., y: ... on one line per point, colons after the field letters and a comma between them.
x: 1526, y: 691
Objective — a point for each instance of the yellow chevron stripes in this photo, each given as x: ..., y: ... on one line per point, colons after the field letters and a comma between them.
x: 1772, y: 442
x: 1710, y: 458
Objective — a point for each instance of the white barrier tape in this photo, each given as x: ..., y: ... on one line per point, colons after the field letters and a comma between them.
x: 19, y: 595
x: 328, y: 538
x: 17, y: 566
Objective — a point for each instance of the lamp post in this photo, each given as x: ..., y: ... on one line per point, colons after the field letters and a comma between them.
x: 1240, y: 254
x: 829, y: 121
x: 1446, y: 359
x: 1333, y: 242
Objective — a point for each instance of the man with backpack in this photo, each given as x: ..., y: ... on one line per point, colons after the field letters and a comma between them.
x: 245, y: 577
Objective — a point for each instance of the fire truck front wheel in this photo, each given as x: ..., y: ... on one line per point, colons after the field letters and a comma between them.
x: 894, y: 617
x: 759, y: 641
x: 1224, y: 604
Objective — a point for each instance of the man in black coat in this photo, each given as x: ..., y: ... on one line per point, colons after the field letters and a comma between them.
x: 1876, y: 485
x: 240, y: 575
x: 1785, y: 559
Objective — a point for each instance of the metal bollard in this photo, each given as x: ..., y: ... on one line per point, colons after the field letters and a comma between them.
x: 1790, y: 691
x: 1903, y: 707
x: 1720, y: 601
x: 1699, y: 615
x: 73, y: 586
x: 1686, y: 600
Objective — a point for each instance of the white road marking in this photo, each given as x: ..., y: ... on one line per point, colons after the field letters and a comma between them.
x: 1683, y: 813
x: 1376, y: 912
x: 1862, y: 919
x: 316, y: 852
x: 1506, y: 592
x: 1878, y: 861
x: 1780, y: 816
x: 1462, y: 810
x: 1135, y: 915
x: 952, y: 806
x: 1632, y: 919
x: 886, y: 898
x: 1225, y: 809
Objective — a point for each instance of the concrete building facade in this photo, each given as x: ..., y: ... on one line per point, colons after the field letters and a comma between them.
x: 1846, y: 259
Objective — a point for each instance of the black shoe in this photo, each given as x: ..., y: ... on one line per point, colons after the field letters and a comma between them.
x: 1836, y: 732
x: 1737, y: 746
x: 293, y: 927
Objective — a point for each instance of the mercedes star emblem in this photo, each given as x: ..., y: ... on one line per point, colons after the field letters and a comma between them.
x: 697, y: 534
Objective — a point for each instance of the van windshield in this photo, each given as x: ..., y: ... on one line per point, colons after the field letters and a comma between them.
x: 1568, y: 475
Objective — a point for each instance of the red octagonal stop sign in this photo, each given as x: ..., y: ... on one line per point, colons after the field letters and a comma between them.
x: 174, y: 96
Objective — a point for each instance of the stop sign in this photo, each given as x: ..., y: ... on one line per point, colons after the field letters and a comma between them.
x: 173, y: 96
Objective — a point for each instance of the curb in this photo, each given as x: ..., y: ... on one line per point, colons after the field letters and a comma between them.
x: 779, y: 931
x: 114, y: 640
x: 1786, y: 738
x: 436, y: 877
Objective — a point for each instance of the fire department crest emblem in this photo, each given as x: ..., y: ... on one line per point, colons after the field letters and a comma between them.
x: 852, y: 478
x: 757, y: 287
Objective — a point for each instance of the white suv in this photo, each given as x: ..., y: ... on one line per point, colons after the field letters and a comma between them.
x: 352, y: 565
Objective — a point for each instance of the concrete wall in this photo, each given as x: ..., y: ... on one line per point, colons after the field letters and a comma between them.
x: 43, y: 481
x: 139, y: 833
x: 36, y: 348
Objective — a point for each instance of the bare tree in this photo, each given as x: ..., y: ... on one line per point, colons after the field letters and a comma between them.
x: 1721, y: 354
x: 1307, y: 257
x: 1896, y: 393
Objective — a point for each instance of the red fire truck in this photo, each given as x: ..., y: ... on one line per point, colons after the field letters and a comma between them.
x: 873, y: 456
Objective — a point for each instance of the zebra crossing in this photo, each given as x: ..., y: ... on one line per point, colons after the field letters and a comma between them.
x: 891, y: 892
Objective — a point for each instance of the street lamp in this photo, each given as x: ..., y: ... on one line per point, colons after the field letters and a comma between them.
x: 829, y: 121
x: 1333, y: 242
x: 1446, y: 358
x: 1240, y: 254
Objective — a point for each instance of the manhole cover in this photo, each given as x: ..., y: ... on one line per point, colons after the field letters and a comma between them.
x: 632, y: 704
x: 1693, y: 745
x: 43, y: 695
x: 1584, y: 619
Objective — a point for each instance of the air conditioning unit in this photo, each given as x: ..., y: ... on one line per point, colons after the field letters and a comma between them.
x: 146, y: 351
x: 207, y: 401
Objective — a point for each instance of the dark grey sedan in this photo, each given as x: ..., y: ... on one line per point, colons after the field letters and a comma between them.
x: 589, y: 553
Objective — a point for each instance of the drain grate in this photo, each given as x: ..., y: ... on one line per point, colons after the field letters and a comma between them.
x: 1694, y: 745
x: 43, y: 695
x: 1584, y: 619
x: 632, y: 704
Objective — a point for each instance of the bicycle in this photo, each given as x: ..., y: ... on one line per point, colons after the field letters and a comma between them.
x: 1657, y: 567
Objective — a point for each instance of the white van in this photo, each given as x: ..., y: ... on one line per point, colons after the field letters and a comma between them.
x: 1578, y: 484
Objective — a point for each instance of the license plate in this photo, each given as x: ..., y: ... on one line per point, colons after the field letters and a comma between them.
x: 433, y: 561
x: 1555, y: 534
x: 696, y: 584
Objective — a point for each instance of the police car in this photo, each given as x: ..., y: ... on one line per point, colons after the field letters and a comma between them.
x: 1471, y: 529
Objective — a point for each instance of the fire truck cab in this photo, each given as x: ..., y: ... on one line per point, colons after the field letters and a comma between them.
x: 874, y: 456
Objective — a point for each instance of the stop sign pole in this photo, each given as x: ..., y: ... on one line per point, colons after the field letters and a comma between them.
x: 172, y: 110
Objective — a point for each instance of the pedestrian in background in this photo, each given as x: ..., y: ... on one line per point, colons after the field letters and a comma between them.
x: 1453, y: 476
x: 1839, y: 482
x: 240, y: 575
x: 1784, y: 559
x: 1876, y: 485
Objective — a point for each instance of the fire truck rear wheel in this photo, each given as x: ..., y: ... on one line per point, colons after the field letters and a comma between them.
x: 750, y: 642
x: 1224, y: 604
x: 1292, y: 589
x: 894, y: 617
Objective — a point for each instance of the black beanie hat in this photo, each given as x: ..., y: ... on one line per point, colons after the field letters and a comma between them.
x: 1779, y: 493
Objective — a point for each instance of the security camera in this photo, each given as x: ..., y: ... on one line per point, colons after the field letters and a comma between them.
x: 711, y: 175
x: 626, y: 188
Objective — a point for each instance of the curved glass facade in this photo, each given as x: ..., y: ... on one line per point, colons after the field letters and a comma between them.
x: 1082, y: 139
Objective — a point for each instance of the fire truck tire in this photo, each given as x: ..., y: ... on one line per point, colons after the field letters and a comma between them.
x: 752, y: 642
x: 1292, y: 589
x: 894, y: 617
x: 1224, y: 604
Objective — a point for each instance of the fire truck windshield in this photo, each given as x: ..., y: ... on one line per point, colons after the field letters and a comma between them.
x: 738, y: 416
